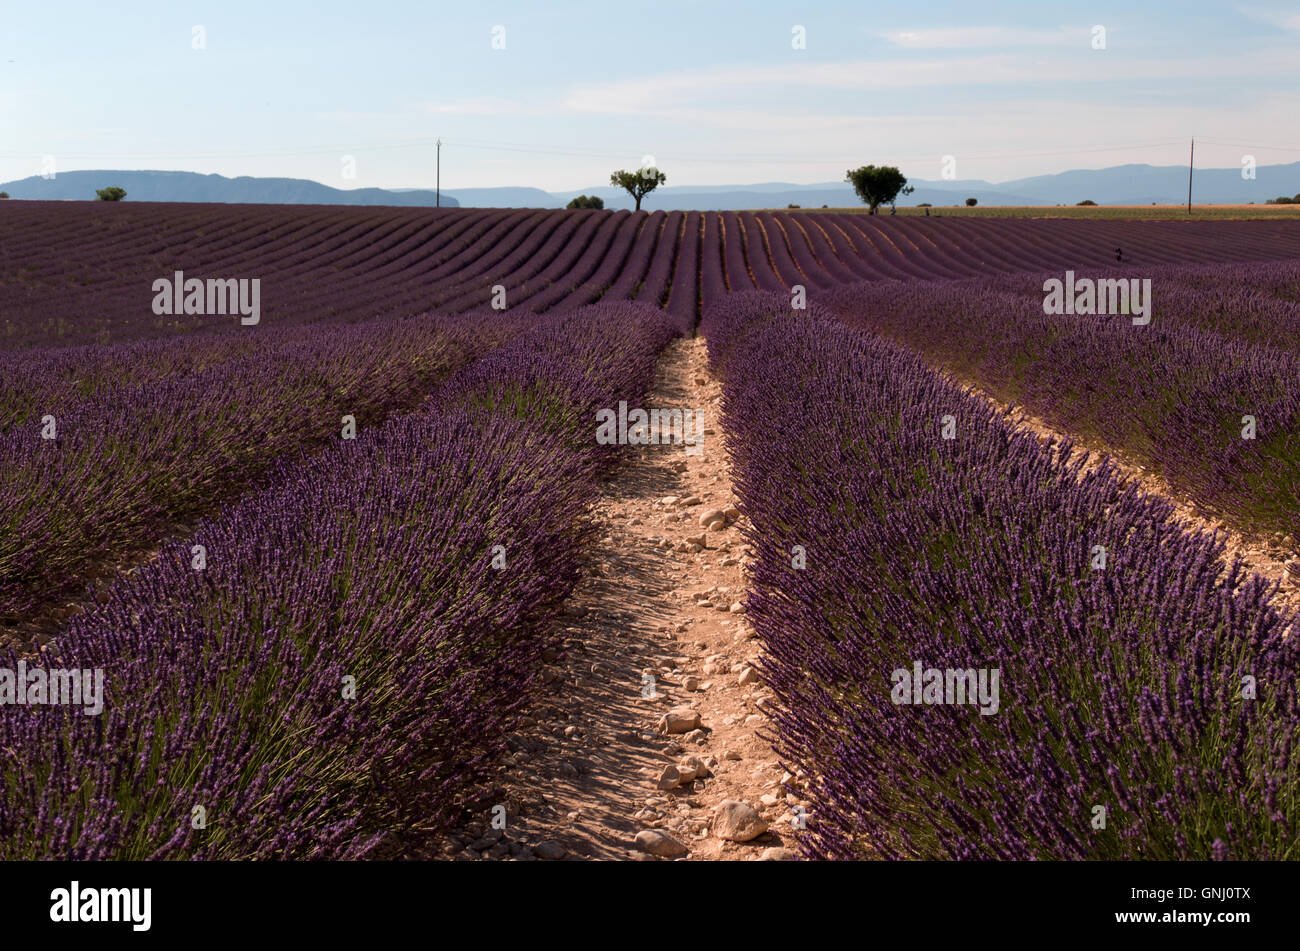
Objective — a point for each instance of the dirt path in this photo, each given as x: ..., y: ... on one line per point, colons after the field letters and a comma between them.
x: 656, y: 625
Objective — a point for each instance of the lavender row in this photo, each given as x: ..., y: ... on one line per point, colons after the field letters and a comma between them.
x: 38, y: 380
x: 92, y: 479
x: 311, y: 269
x: 1213, y: 412
x: 1131, y: 694
x: 360, y: 640
x: 1256, y: 303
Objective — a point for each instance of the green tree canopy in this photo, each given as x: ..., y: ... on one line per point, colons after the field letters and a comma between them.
x: 585, y: 201
x: 972, y: 202
x: 639, y: 183
x: 878, y: 184
x: 110, y: 194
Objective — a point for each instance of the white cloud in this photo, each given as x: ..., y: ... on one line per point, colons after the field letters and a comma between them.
x: 665, y: 94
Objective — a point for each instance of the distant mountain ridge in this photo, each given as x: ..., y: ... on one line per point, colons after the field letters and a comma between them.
x: 1118, y: 185
x: 193, y: 186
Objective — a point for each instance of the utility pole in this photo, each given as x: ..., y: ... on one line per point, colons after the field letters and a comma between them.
x: 438, y: 193
x: 1190, y: 162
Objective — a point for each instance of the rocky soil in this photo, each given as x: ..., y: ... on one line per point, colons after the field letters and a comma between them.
x: 650, y: 745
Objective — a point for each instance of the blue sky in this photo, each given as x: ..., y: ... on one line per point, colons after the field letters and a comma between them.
x: 716, y: 93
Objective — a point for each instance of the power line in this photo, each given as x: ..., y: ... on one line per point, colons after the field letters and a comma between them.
x: 1248, y: 145
x: 320, y: 150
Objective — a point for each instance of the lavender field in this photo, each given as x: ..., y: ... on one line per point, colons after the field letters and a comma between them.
x: 347, y: 570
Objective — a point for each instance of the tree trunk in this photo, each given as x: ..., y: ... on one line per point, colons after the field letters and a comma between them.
x: 638, y: 202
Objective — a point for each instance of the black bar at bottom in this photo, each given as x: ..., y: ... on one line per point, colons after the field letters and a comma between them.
x: 302, y: 900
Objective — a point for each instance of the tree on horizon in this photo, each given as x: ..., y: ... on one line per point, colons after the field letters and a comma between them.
x: 639, y: 183
x: 878, y: 184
